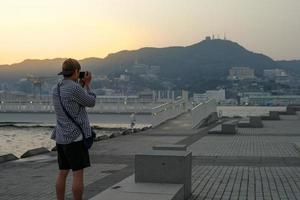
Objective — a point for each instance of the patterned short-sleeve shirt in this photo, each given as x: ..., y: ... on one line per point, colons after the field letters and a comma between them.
x: 75, y: 99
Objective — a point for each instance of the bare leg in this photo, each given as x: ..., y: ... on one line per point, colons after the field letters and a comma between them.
x: 61, y: 184
x: 77, y: 186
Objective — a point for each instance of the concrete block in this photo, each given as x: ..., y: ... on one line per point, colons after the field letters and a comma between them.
x: 173, y: 167
x: 229, y: 128
x: 291, y: 110
x: 274, y: 115
x: 212, y: 118
x: 7, y: 157
x: 34, y: 152
x: 171, y: 147
x: 264, y: 117
x: 255, y: 122
x: 129, y: 189
x: 297, y: 146
x: 216, y: 130
x: 296, y: 107
x: 244, y: 123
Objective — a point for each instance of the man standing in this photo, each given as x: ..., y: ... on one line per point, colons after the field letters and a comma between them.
x: 71, y: 153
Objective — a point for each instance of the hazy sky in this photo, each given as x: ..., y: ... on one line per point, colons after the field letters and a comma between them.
x: 93, y: 28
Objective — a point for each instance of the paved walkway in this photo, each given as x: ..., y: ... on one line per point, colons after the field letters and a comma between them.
x: 244, y: 182
x: 254, y: 164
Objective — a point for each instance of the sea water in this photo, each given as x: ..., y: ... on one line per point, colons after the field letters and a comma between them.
x: 20, y: 132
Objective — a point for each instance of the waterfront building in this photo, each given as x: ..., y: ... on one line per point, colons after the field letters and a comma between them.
x: 273, y: 100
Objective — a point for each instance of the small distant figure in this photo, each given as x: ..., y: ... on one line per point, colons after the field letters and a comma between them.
x: 132, y: 124
x: 220, y: 113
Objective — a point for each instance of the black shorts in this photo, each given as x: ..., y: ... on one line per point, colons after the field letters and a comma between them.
x: 72, y: 156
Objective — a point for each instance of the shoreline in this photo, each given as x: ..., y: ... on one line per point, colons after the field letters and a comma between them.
x: 89, y: 112
x: 17, y: 149
x: 97, y: 126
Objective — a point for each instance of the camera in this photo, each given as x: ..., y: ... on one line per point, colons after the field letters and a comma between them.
x: 81, y: 75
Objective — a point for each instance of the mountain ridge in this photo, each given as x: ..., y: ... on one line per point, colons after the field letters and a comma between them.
x: 205, y: 62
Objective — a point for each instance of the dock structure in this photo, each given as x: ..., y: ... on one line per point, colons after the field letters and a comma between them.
x: 254, y: 163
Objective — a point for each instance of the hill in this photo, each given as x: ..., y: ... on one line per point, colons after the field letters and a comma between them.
x: 47, y: 67
x: 202, y: 65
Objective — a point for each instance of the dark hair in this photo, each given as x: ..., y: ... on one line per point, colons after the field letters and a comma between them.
x: 70, y: 65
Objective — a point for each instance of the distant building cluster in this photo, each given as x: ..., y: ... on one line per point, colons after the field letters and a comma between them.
x: 139, y: 68
x: 217, y: 95
x: 278, y: 75
x: 273, y: 73
x: 271, y: 100
x: 241, y: 73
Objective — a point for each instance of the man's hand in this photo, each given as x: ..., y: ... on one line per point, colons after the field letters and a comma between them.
x: 87, y: 79
x: 81, y: 82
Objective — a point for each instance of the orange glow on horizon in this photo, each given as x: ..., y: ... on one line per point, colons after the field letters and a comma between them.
x: 35, y: 29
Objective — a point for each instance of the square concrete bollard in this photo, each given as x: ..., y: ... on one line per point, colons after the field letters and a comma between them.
x: 157, y: 166
x: 290, y: 110
x: 172, y: 147
x: 243, y: 123
x: 256, y: 122
x: 229, y: 128
x: 274, y: 115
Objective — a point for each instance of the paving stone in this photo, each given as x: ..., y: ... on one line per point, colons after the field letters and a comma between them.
x: 268, y: 181
x: 282, y: 127
x: 255, y: 146
x: 27, y: 181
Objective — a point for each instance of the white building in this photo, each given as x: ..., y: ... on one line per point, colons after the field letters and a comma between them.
x: 241, y: 73
x: 124, y: 77
x: 217, y: 95
x: 272, y: 73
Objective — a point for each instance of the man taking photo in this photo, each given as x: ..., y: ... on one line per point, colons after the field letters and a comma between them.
x: 70, y: 98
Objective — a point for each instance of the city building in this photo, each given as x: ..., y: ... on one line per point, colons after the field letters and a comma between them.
x: 273, y: 100
x: 241, y: 73
x: 154, y: 70
x: 124, y: 77
x: 217, y: 95
x: 273, y: 73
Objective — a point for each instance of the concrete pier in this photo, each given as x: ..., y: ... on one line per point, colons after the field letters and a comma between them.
x: 255, y: 163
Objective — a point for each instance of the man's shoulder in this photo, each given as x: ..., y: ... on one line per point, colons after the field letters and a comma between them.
x: 54, y: 89
x: 77, y: 86
x: 70, y: 85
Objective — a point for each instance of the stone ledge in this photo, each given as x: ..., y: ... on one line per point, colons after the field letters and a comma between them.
x: 297, y: 146
x: 173, y: 147
x: 216, y: 130
x: 127, y: 189
x: 226, y: 128
x: 273, y: 115
x: 165, y: 166
x: 252, y: 122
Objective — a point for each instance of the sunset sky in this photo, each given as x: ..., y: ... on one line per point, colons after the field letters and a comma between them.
x: 94, y: 28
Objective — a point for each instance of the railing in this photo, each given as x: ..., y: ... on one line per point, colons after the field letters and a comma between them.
x: 119, y: 107
x: 202, y: 111
x: 26, y: 107
x: 46, y: 106
x: 246, y: 111
x: 167, y: 111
